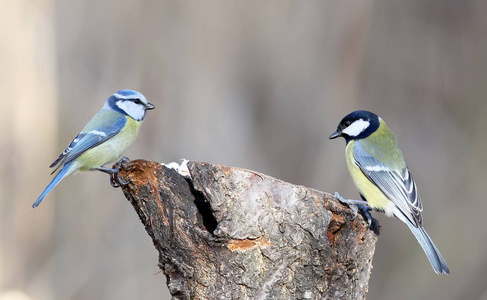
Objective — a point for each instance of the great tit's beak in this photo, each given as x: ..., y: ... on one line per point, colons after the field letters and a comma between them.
x: 334, y: 135
x: 149, y: 106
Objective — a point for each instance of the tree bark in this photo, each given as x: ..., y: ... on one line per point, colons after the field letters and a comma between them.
x: 229, y: 233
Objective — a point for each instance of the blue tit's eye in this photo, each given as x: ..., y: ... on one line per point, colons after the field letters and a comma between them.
x: 137, y: 101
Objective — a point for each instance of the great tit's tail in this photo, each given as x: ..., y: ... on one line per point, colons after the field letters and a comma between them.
x: 433, y: 254
x: 65, y: 171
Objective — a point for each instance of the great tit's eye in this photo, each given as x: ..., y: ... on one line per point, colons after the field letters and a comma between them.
x: 347, y: 123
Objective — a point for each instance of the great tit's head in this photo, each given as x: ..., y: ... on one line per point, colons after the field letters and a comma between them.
x: 130, y: 103
x: 357, y: 125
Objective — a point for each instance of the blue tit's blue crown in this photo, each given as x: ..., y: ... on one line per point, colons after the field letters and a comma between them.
x: 130, y: 103
x: 357, y: 125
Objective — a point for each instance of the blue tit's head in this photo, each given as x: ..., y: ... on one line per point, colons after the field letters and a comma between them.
x: 130, y: 103
x: 357, y: 125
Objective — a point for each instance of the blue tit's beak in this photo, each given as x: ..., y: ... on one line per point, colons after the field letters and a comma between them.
x: 149, y: 106
x: 334, y: 135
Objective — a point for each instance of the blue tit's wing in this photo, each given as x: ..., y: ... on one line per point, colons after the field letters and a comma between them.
x: 101, y: 128
x: 397, y: 184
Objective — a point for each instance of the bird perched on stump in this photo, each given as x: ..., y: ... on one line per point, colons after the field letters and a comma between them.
x: 103, y: 140
x: 382, y: 178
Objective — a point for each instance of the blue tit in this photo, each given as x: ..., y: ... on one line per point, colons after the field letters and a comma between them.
x: 103, y: 140
x: 382, y: 178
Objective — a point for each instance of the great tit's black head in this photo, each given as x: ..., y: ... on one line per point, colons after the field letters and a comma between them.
x: 357, y: 125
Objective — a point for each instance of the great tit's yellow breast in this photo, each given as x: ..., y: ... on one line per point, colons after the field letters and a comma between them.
x: 111, y: 150
x: 374, y: 196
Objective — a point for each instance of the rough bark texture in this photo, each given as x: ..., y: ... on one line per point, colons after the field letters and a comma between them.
x: 230, y: 233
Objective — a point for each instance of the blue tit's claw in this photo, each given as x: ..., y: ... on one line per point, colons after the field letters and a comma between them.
x: 116, y: 171
x: 124, y: 159
x: 121, y: 180
x: 113, y: 183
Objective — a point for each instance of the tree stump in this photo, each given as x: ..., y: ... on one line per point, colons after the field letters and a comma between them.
x: 230, y: 233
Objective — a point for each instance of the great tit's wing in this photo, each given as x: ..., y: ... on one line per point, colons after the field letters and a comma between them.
x: 101, y: 128
x: 397, y: 184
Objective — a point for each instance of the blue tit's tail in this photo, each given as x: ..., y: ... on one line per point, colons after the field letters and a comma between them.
x: 65, y: 171
x: 433, y: 254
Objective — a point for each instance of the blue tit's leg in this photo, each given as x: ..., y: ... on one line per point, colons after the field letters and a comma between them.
x: 122, y: 160
x: 112, y: 172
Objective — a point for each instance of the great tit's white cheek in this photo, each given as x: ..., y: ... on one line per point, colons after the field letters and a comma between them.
x: 134, y: 110
x: 356, y: 127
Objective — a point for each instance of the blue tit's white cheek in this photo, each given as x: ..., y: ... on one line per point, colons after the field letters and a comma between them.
x: 130, y: 95
x: 134, y: 110
x: 356, y: 128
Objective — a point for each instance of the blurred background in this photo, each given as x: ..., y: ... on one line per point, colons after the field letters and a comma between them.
x: 254, y: 84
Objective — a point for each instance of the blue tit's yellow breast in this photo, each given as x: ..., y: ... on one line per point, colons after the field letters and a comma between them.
x: 111, y: 150
x: 374, y: 196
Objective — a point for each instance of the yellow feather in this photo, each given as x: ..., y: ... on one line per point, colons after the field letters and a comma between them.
x: 375, y: 198
x: 111, y: 150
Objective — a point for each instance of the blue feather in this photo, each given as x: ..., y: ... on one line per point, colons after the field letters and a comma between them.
x: 118, y: 122
x: 65, y: 171
x: 434, y: 256
x: 108, y: 123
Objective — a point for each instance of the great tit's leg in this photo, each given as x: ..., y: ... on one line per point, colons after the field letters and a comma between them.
x: 373, y: 223
x: 353, y: 204
x: 112, y: 172
x: 364, y: 208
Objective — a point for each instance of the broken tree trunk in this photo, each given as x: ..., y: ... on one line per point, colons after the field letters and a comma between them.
x: 229, y: 233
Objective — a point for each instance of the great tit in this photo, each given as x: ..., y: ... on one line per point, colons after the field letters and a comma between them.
x: 103, y: 140
x: 382, y: 178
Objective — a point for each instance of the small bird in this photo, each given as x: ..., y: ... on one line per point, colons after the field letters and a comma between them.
x: 382, y: 178
x: 103, y: 140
